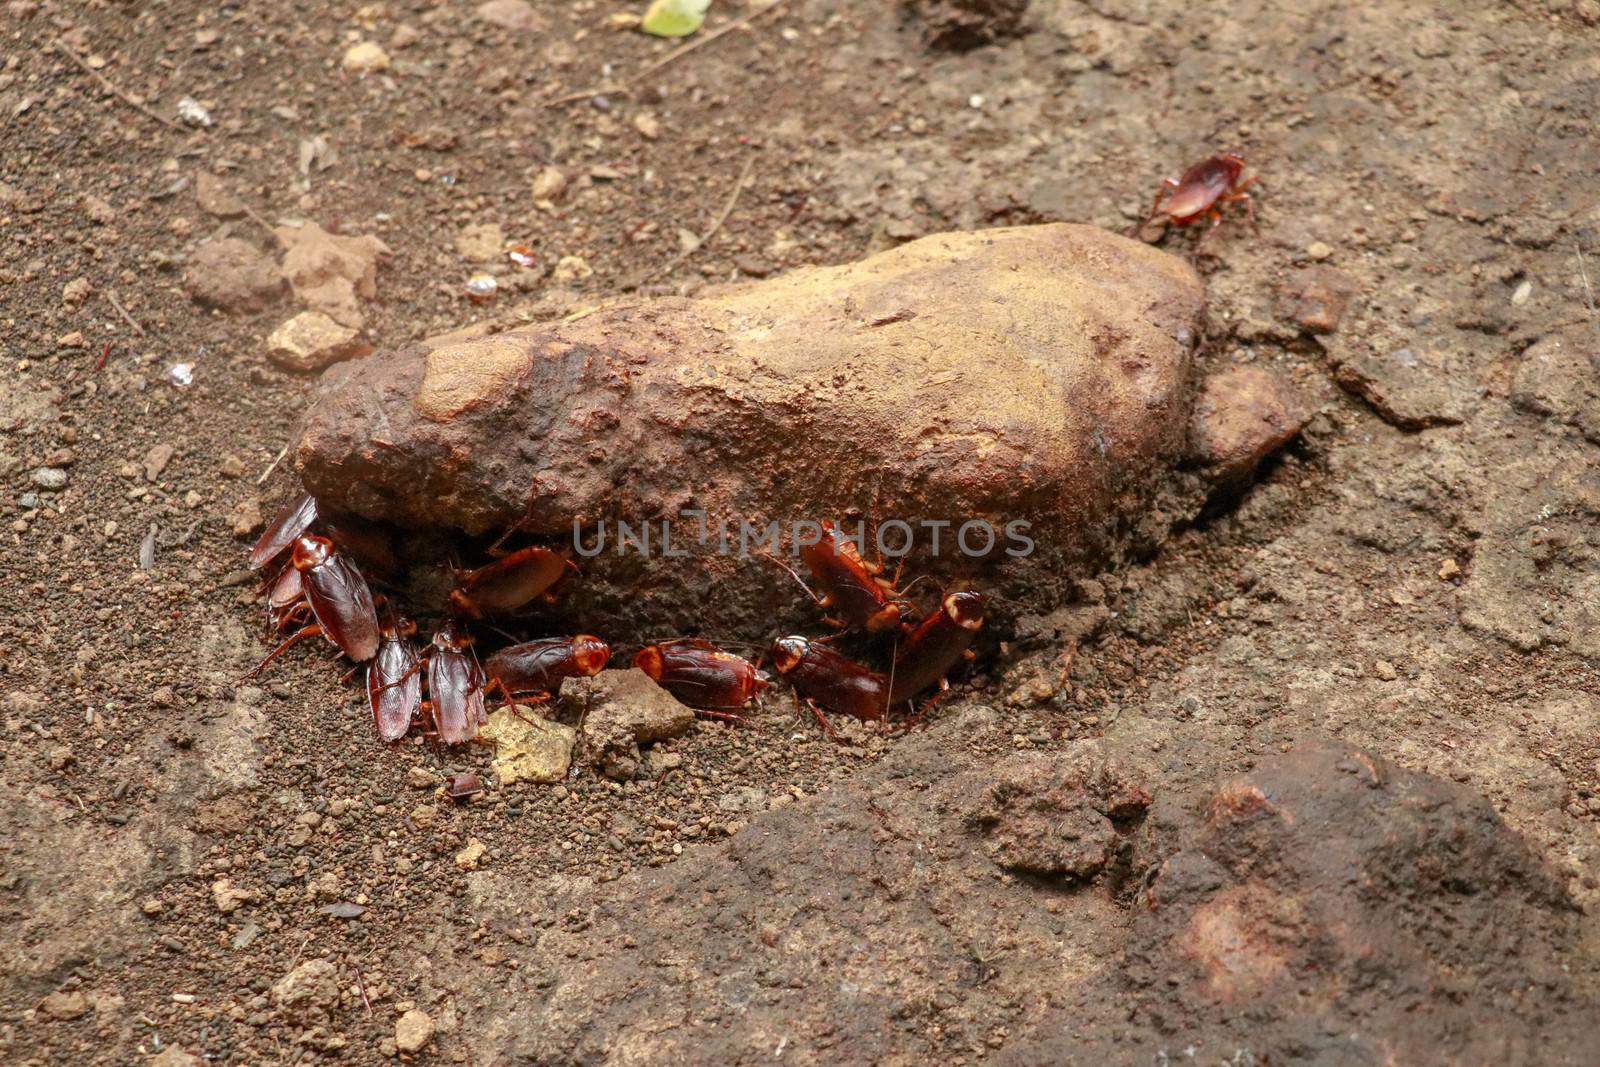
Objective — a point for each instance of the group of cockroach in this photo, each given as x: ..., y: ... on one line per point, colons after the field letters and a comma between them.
x: 314, y: 586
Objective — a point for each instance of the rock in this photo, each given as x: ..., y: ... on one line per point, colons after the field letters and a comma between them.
x: 174, y: 1056
x: 1411, y: 381
x: 1557, y: 379
x: 571, y: 269
x: 1033, y: 375
x: 245, y: 518
x: 1315, y: 298
x: 549, y: 184
x: 648, y: 125
x: 75, y: 292
x: 481, y: 243
x: 331, y: 273
x: 156, y: 460
x: 64, y: 1005
x: 961, y: 25
x: 1328, y: 885
x: 232, y: 275
x: 413, y: 1031
x: 625, y: 709
x: 365, y: 57
x: 421, y: 778
x: 469, y: 858
x: 1057, y: 816
x: 215, y: 198
x: 311, y: 341
x: 228, y: 898
x: 516, y: 15
x: 50, y: 479
x: 99, y: 211
x: 308, y: 993
x: 1242, y: 415
x: 528, y: 748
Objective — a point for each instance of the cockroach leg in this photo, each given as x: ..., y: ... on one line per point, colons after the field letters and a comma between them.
x: 304, y: 632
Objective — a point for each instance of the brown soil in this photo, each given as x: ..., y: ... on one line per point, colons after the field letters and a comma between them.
x: 1416, y: 578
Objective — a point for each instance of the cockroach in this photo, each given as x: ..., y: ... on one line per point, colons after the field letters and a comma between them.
x: 702, y: 676
x: 394, y: 678
x: 829, y: 681
x: 852, y: 587
x: 286, y: 601
x: 500, y: 588
x: 935, y: 645
x: 1206, y: 185
x: 462, y: 786
x: 340, y: 602
x: 286, y: 527
x: 455, y: 685
x: 369, y: 543
x: 535, y: 669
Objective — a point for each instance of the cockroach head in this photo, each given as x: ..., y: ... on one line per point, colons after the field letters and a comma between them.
x: 787, y: 652
x: 311, y: 551
x: 648, y: 659
x: 965, y: 609
x: 452, y: 635
x: 591, y: 655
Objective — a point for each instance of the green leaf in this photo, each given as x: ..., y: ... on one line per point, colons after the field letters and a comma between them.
x: 674, y: 18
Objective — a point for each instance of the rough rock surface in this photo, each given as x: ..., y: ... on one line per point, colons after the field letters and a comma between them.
x: 331, y: 273
x: 1242, y: 415
x: 1033, y: 373
x: 528, y: 748
x: 311, y: 341
x: 232, y: 275
x: 624, y: 709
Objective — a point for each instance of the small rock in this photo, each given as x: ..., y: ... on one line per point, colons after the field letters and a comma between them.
x: 481, y: 243
x: 1385, y: 670
x: 153, y: 907
x: 98, y: 211
x: 1448, y: 570
x: 228, y: 899
x: 215, y: 198
x: 527, y: 748
x: 311, y: 341
x: 50, y: 479
x: 413, y: 1031
x: 549, y: 184
x: 231, y: 467
x: 75, y: 292
x: 174, y: 1056
x: 75, y: 339
x: 245, y: 518
x: 1315, y: 298
x: 329, y: 272
x: 421, y: 778
x: 469, y: 858
x: 156, y: 460
x: 232, y: 275
x: 309, y: 992
x: 61, y: 758
x: 366, y: 57
x: 1318, y: 251
x: 648, y: 125
x: 64, y: 1005
x: 626, y: 710
x: 1410, y: 383
x: 1243, y: 415
x: 405, y: 35
x: 517, y: 15
x: 571, y: 269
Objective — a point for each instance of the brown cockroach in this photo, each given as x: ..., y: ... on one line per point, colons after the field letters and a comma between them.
x: 935, y: 645
x: 286, y: 598
x: 455, y: 685
x: 852, y: 587
x: 461, y: 786
x: 533, y: 671
x: 369, y: 543
x: 702, y: 676
x: 394, y: 678
x: 829, y: 681
x: 340, y: 602
x: 292, y: 520
x: 500, y: 588
x: 1206, y: 185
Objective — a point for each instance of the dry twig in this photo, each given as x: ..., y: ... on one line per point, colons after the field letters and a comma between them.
x: 722, y: 217
x: 105, y: 84
x: 127, y: 318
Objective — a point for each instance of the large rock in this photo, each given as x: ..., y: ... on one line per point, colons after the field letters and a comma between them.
x: 1035, y: 373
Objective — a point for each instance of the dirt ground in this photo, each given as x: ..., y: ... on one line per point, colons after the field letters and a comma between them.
x: 1411, y: 593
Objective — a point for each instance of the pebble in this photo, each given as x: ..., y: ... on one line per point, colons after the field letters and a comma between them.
x: 50, y: 479
x: 76, y: 292
x: 215, y: 198
x: 64, y: 1005
x: 549, y: 184
x: 1385, y: 670
x: 1449, y: 569
x: 1318, y: 251
x: 312, y: 340
x: 413, y: 1031
x: 231, y: 467
x: 421, y: 778
x: 469, y: 858
x: 648, y: 125
x: 156, y: 460
x: 366, y: 57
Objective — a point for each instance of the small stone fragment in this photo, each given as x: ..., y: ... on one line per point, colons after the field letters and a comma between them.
x: 1315, y: 298
x: 245, y: 518
x: 228, y: 898
x: 75, y: 292
x: 1318, y: 251
x: 469, y: 858
x: 648, y: 125
x: 528, y: 748
x: 516, y: 15
x: 50, y: 479
x: 366, y: 57
x: 481, y: 243
x: 174, y: 1056
x: 311, y: 341
x: 1449, y: 570
x: 309, y: 992
x: 549, y: 184
x: 421, y: 778
x: 626, y: 710
x: 64, y: 1004
x: 332, y: 273
x: 232, y: 275
x: 1385, y: 670
x: 571, y: 269
x: 1243, y: 415
x: 215, y: 198
x: 100, y: 212
x: 413, y: 1031
x: 156, y: 460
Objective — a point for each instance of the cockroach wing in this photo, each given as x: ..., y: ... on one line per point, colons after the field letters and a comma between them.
x: 342, y: 603
x: 394, y: 688
x: 455, y: 684
x: 294, y: 519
